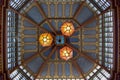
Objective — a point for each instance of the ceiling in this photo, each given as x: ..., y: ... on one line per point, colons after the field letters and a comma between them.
x: 33, y: 61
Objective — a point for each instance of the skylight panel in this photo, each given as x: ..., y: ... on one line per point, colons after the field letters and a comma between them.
x: 103, y: 78
x: 13, y: 73
x: 16, y: 4
x: 95, y: 78
x: 95, y: 70
x: 102, y: 3
x: 98, y: 67
x: 87, y: 1
x: 105, y: 73
x: 92, y: 6
x: 88, y: 77
x: 26, y: 7
x: 96, y: 0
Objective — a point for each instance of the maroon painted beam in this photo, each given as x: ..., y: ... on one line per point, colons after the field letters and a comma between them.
x: 40, y: 9
x: 92, y: 19
x: 116, y: 63
x: 79, y: 9
x: 52, y: 27
x: 60, y: 18
x: 44, y: 15
x: 29, y: 20
x: 87, y: 57
x: 45, y: 62
x: 78, y: 68
x: 29, y: 59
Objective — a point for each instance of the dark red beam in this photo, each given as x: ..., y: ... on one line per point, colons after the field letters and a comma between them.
x: 45, y: 62
x: 87, y: 57
x: 29, y: 59
x: 92, y: 19
x: 29, y: 20
x: 79, y: 9
x: 78, y: 69
x: 44, y: 15
x: 60, y: 18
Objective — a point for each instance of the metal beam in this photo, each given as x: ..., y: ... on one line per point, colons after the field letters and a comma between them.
x: 45, y: 62
x: 96, y: 5
x: 52, y: 28
x: 79, y: 9
x: 92, y: 19
x: 16, y: 42
x: 40, y: 9
x: 78, y: 68
x: 103, y: 41
x: 29, y: 20
x: 25, y: 3
x: 44, y: 15
x: 29, y: 59
x: 60, y: 18
x: 87, y: 57
x: 42, y: 22
x: 77, y: 22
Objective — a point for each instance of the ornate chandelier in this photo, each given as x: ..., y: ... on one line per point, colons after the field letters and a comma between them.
x: 66, y: 53
x: 46, y: 39
x: 67, y: 28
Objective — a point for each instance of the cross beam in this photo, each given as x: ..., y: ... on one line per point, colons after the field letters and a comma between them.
x: 28, y: 19
x: 92, y: 19
x: 87, y: 57
x: 60, y: 18
x: 79, y: 9
x: 29, y: 59
x: 78, y: 68
x: 45, y: 62
x: 44, y: 15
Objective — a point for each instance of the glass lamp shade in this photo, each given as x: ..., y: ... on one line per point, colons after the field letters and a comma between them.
x: 66, y: 53
x: 46, y: 39
x: 67, y: 28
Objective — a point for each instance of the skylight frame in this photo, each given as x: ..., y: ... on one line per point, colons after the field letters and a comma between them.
x: 94, y: 8
x: 11, y: 40
x: 103, y: 4
x: 16, y: 4
x: 106, y: 42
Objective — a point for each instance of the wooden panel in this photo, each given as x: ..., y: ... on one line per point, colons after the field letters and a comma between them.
x: 1, y: 40
x: 119, y: 35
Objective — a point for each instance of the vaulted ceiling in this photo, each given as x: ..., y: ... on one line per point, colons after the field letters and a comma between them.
x: 92, y: 41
